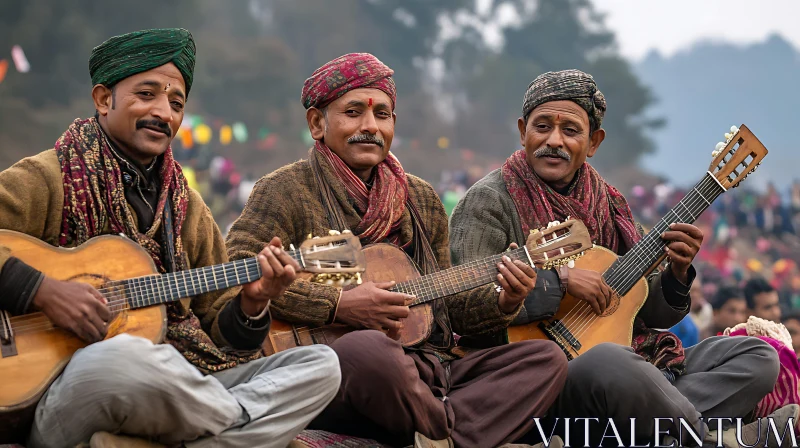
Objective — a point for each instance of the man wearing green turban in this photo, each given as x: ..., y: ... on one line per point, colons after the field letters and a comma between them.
x: 114, y: 174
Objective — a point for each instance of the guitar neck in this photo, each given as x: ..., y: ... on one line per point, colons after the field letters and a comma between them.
x: 457, y: 279
x: 623, y: 274
x: 163, y: 288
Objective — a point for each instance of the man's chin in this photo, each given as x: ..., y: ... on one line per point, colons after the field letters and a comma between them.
x: 149, y: 149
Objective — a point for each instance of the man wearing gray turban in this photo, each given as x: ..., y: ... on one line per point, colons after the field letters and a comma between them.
x: 550, y: 180
x: 114, y: 174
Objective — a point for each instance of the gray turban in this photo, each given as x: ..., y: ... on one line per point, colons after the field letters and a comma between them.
x: 572, y: 85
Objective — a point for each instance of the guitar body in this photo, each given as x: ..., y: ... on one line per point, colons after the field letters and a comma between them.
x: 385, y: 262
x: 42, y: 355
x: 588, y: 329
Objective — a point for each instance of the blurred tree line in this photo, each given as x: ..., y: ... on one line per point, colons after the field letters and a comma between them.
x: 253, y: 56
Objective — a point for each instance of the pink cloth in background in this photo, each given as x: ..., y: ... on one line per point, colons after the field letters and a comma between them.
x: 785, y: 391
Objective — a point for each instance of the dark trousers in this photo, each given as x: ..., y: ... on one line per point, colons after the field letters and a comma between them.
x: 726, y: 377
x: 485, y: 399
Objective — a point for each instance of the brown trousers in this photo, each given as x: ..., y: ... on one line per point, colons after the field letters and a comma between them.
x: 485, y: 399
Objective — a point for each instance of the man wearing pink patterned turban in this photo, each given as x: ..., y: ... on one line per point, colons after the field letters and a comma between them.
x: 351, y: 181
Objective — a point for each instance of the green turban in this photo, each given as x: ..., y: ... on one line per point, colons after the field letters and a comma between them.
x: 132, y: 53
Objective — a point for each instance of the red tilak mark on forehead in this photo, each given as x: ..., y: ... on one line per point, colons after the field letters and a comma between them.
x: 370, y: 102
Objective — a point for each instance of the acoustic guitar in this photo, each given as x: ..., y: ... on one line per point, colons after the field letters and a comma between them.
x: 558, y: 244
x: 575, y: 327
x: 34, y: 352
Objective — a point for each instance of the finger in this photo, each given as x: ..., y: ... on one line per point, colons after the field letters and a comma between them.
x: 681, y: 249
x: 593, y: 302
x: 78, y: 330
x: 512, y: 281
x: 390, y: 324
x: 289, y: 274
x: 503, y: 282
x: 272, y: 259
x: 384, y: 285
x: 102, y: 311
x: 99, y: 325
x: 398, y: 312
x: 672, y: 236
x: 266, y: 269
x: 529, y: 273
x: 283, y: 256
x: 393, y: 298
x: 90, y: 330
x: 96, y: 294
x: 678, y: 259
x: 276, y: 242
x: 513, y: 246
x: 692, y: 230
x: 607, y: 294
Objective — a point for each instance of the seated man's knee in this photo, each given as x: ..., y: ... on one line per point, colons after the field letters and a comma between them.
x: 765, y: 364
x: 540, y: 352
x: 107, y: 368
x: 371, y: 356
x: 605, y: 366
x: 326, y: 366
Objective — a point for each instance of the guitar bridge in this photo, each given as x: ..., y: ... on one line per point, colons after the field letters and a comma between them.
x: 8, y: 346
x: 561, y: 335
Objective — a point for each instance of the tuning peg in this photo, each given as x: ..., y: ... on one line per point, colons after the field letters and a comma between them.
x: 334, y: 232
x: 346, y: 231
x: 719, y: 147
x: 734, y: 129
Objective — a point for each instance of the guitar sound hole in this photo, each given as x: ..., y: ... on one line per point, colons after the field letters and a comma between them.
x: 612, y: 307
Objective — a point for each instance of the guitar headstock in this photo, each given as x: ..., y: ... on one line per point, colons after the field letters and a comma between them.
x: 337, y: 253
x: 736, y: 157
x: 558, y: 244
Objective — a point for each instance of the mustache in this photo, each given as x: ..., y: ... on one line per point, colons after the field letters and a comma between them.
x: 157, y: 124
x: 546, y: 151
x: 366, y: 138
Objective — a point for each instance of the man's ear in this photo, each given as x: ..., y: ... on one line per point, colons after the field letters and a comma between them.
x: 102, y: 97
x: 521, y: 124
x: 316, y: 123
x: 594, y: 142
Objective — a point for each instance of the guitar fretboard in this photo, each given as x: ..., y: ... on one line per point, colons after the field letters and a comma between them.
x: 623, y: 274
x: 157, y: 289
x: 457, y: 279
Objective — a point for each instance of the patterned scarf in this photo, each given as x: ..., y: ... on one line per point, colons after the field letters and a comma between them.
x: 606, y: 214
x: 94, y: 198
x: 382, y: 206
x: 590, y: 199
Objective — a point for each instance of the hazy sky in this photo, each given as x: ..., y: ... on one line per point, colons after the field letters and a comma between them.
x: 673, y: 25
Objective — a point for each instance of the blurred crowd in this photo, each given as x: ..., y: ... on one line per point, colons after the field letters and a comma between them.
x: 748, y: 264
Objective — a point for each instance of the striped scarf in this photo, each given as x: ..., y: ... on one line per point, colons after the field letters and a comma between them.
x: 590, y: 200
x: 382, y: 206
